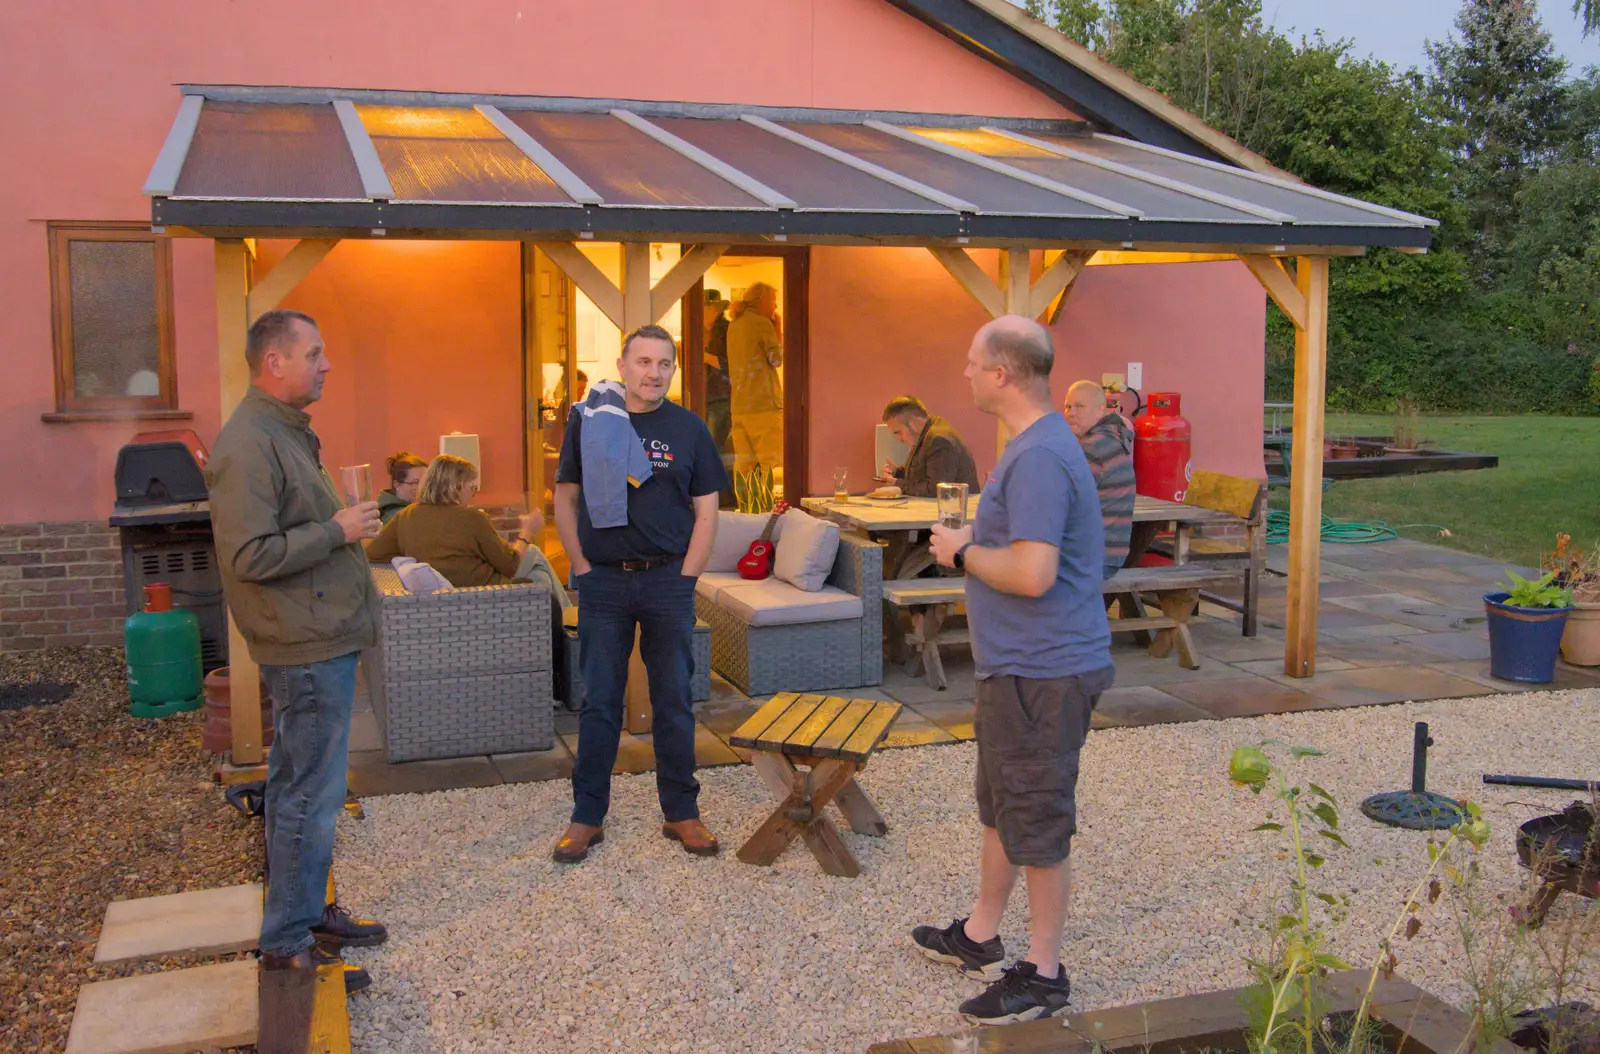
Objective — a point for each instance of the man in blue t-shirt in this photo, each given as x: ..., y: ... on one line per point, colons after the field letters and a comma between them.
x: 1042, y: 650
x: 642, y: 574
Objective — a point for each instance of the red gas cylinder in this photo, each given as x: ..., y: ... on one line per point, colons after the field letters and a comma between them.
x: 1161, y: 449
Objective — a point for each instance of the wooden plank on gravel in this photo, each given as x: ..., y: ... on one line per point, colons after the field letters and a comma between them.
x: 757, y: 723
x: 865, y: 739
x: 330, y: 1014
x: 201, y: 922
x: 828, y: 744
x: 775, y: 735
x: 800, y: 740
x: 202, y: 1007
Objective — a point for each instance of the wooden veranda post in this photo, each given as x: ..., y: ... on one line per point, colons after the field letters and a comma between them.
x: 1305, y: 488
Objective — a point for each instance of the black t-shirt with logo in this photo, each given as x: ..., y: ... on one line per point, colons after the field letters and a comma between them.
x: 684, y: 464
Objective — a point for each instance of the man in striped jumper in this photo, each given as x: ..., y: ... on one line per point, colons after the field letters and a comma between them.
x: 1108, y: 444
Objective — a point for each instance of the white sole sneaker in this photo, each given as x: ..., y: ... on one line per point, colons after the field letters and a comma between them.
x: 984, y: 975
x: 1031, y: 1014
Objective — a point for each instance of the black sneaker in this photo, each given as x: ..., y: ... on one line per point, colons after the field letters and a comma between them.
x: 355, y: 978
x: 952, y: 945
x: 1020, y: 995
x: 339, y: 928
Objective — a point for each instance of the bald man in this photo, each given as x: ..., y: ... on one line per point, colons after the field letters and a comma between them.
x: 1042, y: 652
x: 1108, y: 444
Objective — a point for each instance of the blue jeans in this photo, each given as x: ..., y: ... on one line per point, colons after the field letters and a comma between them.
x: 610, y: 602
x: 306, y: 776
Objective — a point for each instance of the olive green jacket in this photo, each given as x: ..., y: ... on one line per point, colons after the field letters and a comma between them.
x: 298, y: 591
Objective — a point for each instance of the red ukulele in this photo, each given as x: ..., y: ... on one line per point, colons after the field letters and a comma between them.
x: 756, y: 563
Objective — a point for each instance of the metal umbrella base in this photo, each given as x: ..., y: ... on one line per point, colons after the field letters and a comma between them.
x: 1417, y: 809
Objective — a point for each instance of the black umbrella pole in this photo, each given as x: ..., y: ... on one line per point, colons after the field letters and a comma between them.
x: 1546, y: 782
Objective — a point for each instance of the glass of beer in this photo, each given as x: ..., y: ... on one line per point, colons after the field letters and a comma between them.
x: 840, y: 476
x: 952, y: 505
x: 357, y: 483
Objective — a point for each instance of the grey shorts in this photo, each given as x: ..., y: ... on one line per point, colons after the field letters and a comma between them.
x: 1029, y: 734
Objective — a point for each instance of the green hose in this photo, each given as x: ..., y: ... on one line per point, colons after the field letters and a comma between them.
x: 1346, y: 532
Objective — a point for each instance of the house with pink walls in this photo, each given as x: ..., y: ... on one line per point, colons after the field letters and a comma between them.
x: 466, y: 201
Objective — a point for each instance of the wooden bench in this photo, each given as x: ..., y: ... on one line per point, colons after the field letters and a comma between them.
x: 1177, y: 589
x: 928, y: 602
x: 1246, y: 499
x: 831, y: 738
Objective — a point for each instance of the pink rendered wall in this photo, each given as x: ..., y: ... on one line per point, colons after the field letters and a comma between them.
x: 91, y: 87
x: 425, y: 338
x: 887, y: 322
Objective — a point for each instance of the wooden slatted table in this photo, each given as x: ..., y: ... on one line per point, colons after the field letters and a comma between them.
x: 808, y: 749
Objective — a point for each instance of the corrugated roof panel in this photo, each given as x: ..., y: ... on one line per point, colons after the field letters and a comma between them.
x: 444, y: 154
x: 812, y: 180
x: 1156, y: 202
x: 245, y: 150
x: 992, y: 192
x: 1306, y: 208
x: 626, y: 166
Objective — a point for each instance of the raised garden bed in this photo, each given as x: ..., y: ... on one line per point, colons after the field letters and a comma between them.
x: 1211, y: 1023
x: 1373, y: 459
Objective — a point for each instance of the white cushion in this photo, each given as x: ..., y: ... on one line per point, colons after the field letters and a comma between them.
x: 774, y: 603
x: 735, y: 532
x: 805, y: 551
x: 712, y: 583
x: 419, y: 577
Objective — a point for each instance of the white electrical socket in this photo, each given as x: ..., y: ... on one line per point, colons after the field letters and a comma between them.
x: 1136, y: 375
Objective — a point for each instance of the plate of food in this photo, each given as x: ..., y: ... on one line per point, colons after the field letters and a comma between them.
x: 884, y: 494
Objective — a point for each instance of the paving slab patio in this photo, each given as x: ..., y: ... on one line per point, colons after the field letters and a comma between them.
x: 1397, y: 620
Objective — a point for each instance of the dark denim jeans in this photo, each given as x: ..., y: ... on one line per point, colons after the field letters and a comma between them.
x: 306, y: 775
x: 610, y: 602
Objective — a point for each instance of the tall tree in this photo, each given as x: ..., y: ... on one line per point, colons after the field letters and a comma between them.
x: 1590, y: 10
x: 1501, y: 85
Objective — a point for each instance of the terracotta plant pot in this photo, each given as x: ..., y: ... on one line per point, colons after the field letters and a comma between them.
x: 1336, y: 451
x: 1580, y: 642
x: 218, y: 735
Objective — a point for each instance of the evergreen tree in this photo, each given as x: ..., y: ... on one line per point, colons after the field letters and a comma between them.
x: 1501, y: 86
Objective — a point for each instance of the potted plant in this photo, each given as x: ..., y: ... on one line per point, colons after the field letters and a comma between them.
x: 1405, y: 428
x: 1580, y: 572
x: 1525, y: 626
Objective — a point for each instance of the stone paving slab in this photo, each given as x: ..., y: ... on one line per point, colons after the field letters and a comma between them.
x: 1144, y: 705
x: 1389, y: 684
x: 535, y: 765
x: 1242, y: 697
x: 371, y: 774
x: 201, y: 922
x: 173, y: 1012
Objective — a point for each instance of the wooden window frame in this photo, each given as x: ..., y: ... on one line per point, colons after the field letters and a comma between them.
x: 69, y: 405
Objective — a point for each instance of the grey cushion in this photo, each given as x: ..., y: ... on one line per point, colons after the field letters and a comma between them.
x: 805, y: 551
x: 735, y: 532
x: 775, y: 603
x: 714, y: 582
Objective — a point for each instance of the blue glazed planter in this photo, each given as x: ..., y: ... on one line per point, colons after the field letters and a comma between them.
x: 1523, y: 642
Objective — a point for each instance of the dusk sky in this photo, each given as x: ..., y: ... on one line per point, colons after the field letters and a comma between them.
x: 1394, y: 30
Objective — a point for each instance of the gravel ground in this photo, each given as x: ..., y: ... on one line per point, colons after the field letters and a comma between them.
x: 643, y: 948
x: 95, y: 806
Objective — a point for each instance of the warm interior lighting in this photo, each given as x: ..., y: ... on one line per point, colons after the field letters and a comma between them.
x: 1113, y: 258
x: 985, y: 143
x: 431, y: 122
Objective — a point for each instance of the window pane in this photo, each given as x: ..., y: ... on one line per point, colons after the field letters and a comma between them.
x: 116, y: 338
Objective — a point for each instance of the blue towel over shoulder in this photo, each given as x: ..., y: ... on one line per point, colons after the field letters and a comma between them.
x: 613, y: 457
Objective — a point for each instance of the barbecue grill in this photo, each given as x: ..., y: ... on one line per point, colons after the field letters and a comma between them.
x: 164, y: 519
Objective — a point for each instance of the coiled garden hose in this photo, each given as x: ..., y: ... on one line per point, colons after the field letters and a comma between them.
x: 1342, y: 532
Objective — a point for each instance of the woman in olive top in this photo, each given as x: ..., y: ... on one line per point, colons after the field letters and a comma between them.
x: 405, y: 476
x: 458, y: 541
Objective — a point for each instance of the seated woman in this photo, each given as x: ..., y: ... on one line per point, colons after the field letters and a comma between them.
x: 458, y: 541
x: 405, y: 476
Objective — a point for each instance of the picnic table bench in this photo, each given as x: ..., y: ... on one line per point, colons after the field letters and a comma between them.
x: 808, y: 749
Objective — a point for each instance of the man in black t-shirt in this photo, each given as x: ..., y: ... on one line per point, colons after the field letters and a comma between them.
x: 640, y: 574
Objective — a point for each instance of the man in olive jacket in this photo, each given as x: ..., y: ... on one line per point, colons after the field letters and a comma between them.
x: 301, y: 593
x: 936, y: 454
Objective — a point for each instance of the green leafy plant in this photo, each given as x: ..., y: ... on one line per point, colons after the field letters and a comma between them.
x: 1405, y: 424
x: 1286, y: 1006
x: 1541, y: 594
x: 754, y: 491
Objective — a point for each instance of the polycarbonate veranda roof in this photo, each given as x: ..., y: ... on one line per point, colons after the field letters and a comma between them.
x: 245, y: 160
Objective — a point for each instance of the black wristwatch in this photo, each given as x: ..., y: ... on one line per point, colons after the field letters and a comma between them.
x: 960, y: 559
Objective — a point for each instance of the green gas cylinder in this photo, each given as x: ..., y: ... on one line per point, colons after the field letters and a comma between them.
x: 163, y: 649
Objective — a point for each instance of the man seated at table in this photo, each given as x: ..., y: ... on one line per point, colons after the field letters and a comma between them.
x: 1107, y: 442
x: 936, y: 453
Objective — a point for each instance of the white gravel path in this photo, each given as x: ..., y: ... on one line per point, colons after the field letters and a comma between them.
x: 643, y: 948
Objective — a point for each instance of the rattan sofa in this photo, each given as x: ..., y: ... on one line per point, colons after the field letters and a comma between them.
x: 809, y: 656
x: 464, y: 671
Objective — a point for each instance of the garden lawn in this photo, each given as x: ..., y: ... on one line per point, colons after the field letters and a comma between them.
x: 1548, y: 481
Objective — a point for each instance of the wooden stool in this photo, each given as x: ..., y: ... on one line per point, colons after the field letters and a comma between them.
x: 929, y: 601
x: 832, y: 737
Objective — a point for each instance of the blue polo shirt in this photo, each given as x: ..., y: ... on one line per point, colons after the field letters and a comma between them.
x: 1042, y: 491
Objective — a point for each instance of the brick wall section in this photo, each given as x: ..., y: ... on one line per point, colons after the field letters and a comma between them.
x: 60, y: 586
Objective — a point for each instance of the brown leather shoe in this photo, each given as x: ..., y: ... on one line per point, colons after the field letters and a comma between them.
x: 694, y: 835
x: 576, y: 842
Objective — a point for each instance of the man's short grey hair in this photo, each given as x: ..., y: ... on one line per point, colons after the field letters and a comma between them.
x: 904, y: 405
x: 1089, y: 386
x: 752, y: 296
x: 275, y: 329
x: 1021, y: 345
